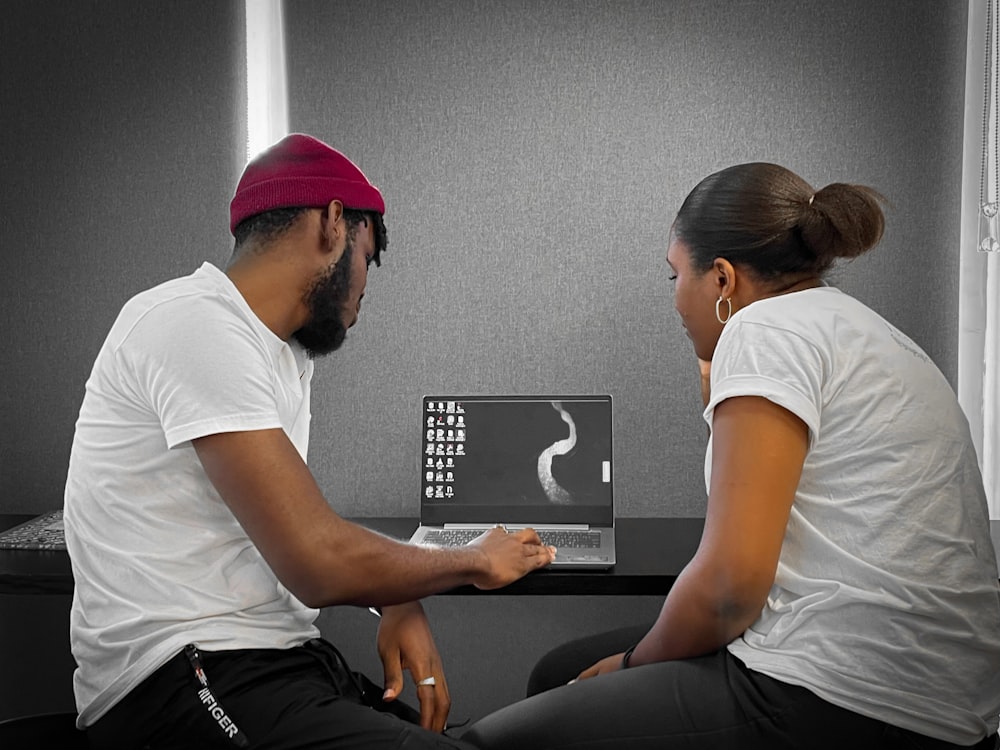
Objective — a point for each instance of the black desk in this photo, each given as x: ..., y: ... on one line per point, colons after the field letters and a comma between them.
x: 651, y: 552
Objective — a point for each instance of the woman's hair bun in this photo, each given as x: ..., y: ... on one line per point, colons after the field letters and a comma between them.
x: 842, y: 221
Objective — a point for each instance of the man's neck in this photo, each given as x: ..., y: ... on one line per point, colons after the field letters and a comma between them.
x: 274, y: 289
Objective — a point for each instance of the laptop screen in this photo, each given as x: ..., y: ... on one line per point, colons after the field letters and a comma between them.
x: 517, y: 459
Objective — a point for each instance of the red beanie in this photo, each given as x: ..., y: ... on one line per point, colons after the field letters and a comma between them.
x: 300, y: 170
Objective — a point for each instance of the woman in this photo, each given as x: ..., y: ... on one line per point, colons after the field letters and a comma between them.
x: 844, y: 593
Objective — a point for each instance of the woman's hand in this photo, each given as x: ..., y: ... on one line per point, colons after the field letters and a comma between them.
x: 608, y: 664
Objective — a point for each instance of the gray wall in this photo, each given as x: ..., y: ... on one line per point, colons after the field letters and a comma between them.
x: 532, y: 155
x: 122, y: 132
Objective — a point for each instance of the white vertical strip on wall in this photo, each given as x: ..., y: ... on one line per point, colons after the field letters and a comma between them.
x: 267, y: 88
x: 973, y: 264
x: 991, y: 386
x: 991, y: 348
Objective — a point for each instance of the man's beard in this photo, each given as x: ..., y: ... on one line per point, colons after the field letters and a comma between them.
x: 325, y: 331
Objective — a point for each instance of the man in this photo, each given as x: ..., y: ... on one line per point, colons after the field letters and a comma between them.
x: 201, y: 544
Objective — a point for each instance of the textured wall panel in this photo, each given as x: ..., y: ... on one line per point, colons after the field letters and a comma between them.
x: 533, y: 154
x: 121, y: 136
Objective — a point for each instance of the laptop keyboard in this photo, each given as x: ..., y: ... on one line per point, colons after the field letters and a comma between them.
x: 558, y: 538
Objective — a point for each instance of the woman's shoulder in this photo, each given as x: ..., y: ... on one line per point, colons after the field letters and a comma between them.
x: 810, y: 310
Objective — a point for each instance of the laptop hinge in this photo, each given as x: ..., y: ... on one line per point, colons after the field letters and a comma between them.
x: 542, y: 526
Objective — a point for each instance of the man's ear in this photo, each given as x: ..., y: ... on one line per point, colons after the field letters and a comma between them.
x: 333, y: 227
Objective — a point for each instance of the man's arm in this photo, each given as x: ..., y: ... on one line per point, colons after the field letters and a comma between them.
x: 324, y: 559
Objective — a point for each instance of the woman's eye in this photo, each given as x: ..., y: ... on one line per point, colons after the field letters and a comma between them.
x: 673, y: 277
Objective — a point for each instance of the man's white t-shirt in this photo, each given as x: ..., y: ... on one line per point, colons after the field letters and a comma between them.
x: 158, y: 559
x: 886, y: 598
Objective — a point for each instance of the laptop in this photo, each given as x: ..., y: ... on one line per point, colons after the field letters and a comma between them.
x: 538, y: 461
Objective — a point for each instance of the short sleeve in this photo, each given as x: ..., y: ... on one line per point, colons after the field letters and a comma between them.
x: 201, y: 368
x: 757, y: 359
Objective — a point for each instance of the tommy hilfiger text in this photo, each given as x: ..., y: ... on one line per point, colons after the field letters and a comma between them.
x: 217, y: 713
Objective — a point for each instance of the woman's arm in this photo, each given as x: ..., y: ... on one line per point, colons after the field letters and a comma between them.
x: 758, y: 449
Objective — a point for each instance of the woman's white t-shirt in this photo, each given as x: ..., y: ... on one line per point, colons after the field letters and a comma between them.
x: 886, y: 598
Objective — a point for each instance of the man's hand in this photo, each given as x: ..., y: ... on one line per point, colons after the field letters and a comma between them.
x: 405, y: 643
x: 510, y: 556
x: 605, y: 665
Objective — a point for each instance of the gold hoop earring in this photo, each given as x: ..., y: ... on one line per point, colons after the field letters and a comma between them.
x: 718, y: 313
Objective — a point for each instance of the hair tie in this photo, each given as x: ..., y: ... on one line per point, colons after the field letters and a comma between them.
x: 811, y: 198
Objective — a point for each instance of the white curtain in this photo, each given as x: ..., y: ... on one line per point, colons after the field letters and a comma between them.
x: 979, y: 290
x: 267, y: 88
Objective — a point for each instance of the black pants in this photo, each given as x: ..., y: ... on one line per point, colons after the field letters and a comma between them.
x: 710, y: 703
x: 304, y: 697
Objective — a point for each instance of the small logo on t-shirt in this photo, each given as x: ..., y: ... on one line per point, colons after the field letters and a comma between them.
x: 904, y: 341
